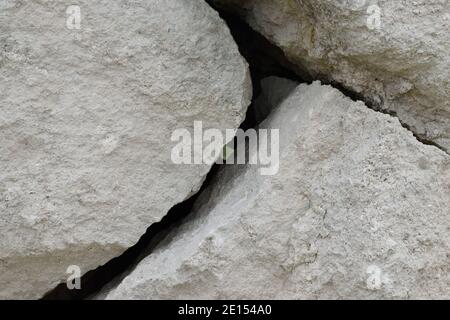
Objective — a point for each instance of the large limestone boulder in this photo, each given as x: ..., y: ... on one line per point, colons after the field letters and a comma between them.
x: 88, y: 104
x: 359, y: 209
x: 396, y: 54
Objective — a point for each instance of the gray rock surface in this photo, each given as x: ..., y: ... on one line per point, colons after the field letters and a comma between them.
x: 403, y: 66
x: 86, y: 117
x: 359, y: 209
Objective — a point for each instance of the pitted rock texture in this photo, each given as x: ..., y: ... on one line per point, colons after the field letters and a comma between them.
x: 86, y: 117
x: 403, y: 66
x: 359, y: 209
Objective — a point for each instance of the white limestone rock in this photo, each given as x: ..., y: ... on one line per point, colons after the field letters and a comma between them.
x: 86, y: 117
x: 359, y: 209
x: 402, y: 66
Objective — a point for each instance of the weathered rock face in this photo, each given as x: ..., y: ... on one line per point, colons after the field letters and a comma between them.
x: 359, y: 209
x: 402, y: 66
x: 86, y: 117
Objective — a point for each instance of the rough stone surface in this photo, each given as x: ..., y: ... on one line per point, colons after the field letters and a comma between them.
x: 359, y: 209
x: 402, y: 67
x: 86, y: 117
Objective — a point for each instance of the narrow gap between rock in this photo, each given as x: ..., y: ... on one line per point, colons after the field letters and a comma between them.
x: 418, y: 137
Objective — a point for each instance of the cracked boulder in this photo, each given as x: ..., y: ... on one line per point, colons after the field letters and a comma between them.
x: 359, y: 209
x: 89, y: 98
x: 395, y: 54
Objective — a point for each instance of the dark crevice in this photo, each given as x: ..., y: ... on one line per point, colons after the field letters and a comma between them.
x: 264, y: 59
x: 422, y: 139
x: 377, y: 108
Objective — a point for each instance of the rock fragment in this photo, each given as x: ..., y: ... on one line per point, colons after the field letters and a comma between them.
x: 358, y: 210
